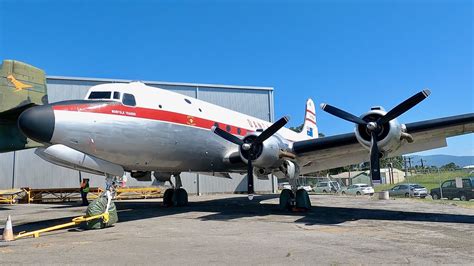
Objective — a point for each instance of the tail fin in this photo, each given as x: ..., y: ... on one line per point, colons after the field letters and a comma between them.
x: 21, y: 87
x: 310, y: 129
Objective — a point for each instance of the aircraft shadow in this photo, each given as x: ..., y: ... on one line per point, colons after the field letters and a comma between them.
x: 228, y: 209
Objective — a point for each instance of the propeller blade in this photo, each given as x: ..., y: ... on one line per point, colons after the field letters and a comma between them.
x: 404, y: 106
x: 226, y: 135
x: 250, y: 189
x: 374, y: 157
x: 271, y: 130
x: 342, y: 114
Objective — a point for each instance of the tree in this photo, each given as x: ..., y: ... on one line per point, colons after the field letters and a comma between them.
x: 450, y: 166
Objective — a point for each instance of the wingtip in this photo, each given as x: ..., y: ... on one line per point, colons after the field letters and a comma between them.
x: 322, y: 105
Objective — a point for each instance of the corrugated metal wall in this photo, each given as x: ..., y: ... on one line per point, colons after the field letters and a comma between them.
x: 31, y: 171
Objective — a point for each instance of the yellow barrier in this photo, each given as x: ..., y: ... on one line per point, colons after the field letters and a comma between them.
x: 75, y: 221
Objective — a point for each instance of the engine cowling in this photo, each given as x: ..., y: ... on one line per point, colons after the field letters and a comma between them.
x: 268, y: 153
x: 389, y: 136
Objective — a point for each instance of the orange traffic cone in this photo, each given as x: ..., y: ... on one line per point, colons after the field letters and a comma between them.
x: 8, y: 230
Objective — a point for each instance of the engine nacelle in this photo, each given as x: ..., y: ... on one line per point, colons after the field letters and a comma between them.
x: 389, y: 136
x: 268, y: 153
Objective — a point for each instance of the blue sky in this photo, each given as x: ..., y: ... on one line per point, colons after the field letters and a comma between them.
x: 352, y: 54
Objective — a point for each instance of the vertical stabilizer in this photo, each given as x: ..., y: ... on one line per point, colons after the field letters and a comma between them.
x: 310, y: 129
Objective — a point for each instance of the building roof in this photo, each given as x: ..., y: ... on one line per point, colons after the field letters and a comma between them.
x: 204, y: 85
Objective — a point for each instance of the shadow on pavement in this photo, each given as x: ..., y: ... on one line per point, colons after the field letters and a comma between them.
x: 227, y: 209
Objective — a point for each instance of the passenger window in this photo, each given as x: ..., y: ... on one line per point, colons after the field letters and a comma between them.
x: 447, y: 184
x: 188, y: 101
x: 116, y: 95
x: 227, y: 128
x: 100, y: 95
x: 466, y: 183
x: 128, y: 99
x: 239, y: 131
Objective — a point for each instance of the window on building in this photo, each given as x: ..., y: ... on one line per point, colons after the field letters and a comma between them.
x: 99, y: 95
x: 129, y: 99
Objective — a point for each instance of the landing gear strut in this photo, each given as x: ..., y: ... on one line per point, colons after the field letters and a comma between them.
x: 175, y: 196
x: 293, y: 199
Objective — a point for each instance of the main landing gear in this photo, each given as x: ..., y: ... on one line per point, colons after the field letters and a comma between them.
x: 293, y: 199
x: 175, y: 196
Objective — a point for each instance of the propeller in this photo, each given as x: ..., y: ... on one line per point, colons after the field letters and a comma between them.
x: 250, y: 146
x: 374, y: 127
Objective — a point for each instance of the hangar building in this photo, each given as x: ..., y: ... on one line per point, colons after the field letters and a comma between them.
x: 25, y: 169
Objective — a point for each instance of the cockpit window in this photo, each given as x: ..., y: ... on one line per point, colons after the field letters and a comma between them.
x: 116, y: 95
x: 100, y: 95
x: 128, y: 99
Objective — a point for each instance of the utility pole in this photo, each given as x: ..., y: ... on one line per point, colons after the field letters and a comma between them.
x: 405, y: 163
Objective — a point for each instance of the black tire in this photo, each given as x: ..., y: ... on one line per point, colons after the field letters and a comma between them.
x: 407, y: 195
x: 302, y: 200
x: 180, y: 197
x: 324, y: 191
x: 422, y: 197
x: 435, y: 196
x: 286, y: 196
x: 343, y: 193
x: 168, y: 197
x: 463, y: 198
x: 358, y: 193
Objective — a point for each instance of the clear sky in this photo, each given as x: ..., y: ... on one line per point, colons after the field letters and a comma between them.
x: 352, y: 54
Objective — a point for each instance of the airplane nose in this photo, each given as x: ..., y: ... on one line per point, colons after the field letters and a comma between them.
x: 37, y: 123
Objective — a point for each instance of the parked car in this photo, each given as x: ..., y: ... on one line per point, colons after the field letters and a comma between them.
x: 408, y: 190
x: 358, y: 189
x: 326, y: 187
x: 449, y: 190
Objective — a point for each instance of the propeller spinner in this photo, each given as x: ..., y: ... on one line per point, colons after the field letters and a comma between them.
x: 374, y: 127
x: 251, y: 145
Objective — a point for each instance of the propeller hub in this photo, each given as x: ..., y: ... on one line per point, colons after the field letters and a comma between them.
x: 246, y: 146
x: 372, y: 126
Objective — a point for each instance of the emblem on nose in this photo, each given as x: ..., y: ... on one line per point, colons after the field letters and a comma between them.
x: 37, y: 123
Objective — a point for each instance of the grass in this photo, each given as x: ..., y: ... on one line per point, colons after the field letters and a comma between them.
x: 430, y: 180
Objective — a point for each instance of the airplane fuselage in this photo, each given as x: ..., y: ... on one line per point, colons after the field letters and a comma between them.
x: 146, y: 128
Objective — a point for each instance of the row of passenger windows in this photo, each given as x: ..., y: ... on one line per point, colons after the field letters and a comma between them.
x: 127, y: 99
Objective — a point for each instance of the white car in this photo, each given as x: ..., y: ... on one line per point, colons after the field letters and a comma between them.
x: 358, y: 189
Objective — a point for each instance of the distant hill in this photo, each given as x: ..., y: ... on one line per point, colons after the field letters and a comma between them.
x: 440, y: 160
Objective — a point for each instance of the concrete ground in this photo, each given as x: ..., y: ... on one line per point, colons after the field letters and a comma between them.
x: 228, y: 229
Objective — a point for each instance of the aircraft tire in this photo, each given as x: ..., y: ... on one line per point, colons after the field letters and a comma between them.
x: 180, y: 197
x: 286, y: 196
x: 168, y: 197
x: 302, y: 200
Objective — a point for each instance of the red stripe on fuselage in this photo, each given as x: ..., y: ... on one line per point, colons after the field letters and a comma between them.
x: 146, y: 113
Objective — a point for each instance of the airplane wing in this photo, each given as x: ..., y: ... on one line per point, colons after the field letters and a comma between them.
x: 341, y: 150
